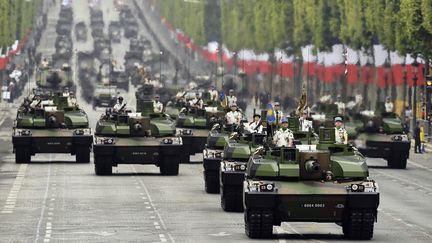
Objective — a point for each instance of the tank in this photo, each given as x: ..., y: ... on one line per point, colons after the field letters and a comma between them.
x: 131, y: 28
x: 51, y: 122
x: 233, y: 167
x: 326, y: 182
x: 81, y: 32
x: 105, y: 96
x: 114, y: 31
x: 383, y: 136
x: 127, y: 138
x: 217, y: 138
x: 55, y: 79
x: 193, y: 124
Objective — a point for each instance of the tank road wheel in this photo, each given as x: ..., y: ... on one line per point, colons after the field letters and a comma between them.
x: 259, y: 223
x: 359, y: 224
x: 232, y: 198
x: 397, y: 160
x: 211, y: 182
x: 103, y: 165
x: 169, y: 165
x: 22, y: 155
x: 82, y: 155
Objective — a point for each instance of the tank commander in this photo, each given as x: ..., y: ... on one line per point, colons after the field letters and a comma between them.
x: 231, y: 98
x: 214, y: 95
x: 388, y: 105
x: 283, y: 137
x: 157, y: 105
x: 256, y: 125
x: 120, y: 105
x: 196, y: 102
x: 44, y: 63
x: 233, y: 117
x: 341, y: 135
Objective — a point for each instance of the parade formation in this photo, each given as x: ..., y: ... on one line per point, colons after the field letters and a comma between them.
x: 233, y: 163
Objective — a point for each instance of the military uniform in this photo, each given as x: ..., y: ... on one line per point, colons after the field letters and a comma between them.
x: 233, y: 117
x: 340, y: 134
x: 231, y: 100
x: 118, y: 106
x: 213, y: 95
x: 157, y: 106
x: 305, y: 124
x: 282, y: 137
x: 255, y: 127
x: 196, y: 102
x: 389, y: 106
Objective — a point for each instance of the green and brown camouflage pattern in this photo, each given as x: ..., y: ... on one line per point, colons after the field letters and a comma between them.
x: 54, y: 79
x: 128, y: 138
x: 383, y: 137
x: 47, y: 122
x: 310, y: 183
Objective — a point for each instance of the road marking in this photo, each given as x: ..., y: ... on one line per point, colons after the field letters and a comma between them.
x: 43, y: 205
x: 147, y: 193
x: 415, y: 227
x: 13, y: 194
x: 419, y: 165
x: 403, y: 181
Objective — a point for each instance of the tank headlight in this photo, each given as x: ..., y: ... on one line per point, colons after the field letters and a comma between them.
x: 25, y: 133
x: 108, y: 141
x: 167, y: 141
x: 79, y: 132
x: 357, y: 188
x: 242, y: 167
x: 269, y: 187
x: 354, y: 187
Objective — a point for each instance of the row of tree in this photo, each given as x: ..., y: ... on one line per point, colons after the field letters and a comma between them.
x: 16, y: 18
x: 404, y: 26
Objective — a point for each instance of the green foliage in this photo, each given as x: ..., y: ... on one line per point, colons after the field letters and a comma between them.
x: 16, y: 18
x: 263, y: 25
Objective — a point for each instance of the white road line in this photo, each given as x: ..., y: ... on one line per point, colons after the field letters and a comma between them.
x: 38, y: 228
x: 16, y: 186
x: 151, y: 203
x: 415, y: 227
x: 419, y: 165
x: 408, y: 182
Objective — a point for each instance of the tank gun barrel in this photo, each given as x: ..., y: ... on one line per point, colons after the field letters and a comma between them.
x: 312, y: 166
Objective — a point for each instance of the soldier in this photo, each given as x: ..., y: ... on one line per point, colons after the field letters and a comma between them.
x: 196, y: 102
x: 341, y: 105
x: 305, y: 124
x: 341, y: 135
x: 256, y: 126
x: 181, y: 94
x: 388, y: 105
x: 45, y: 63
x: 233, y: 117
x: 119, y: 106
x: 213, y: 93
x: 231, y: 98
x: 326, y: 98
x: 283, y: 137
x: 157, y: 105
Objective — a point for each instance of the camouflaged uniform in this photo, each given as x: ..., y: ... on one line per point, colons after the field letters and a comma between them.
x: 282, y: 137
x: 340, y: 134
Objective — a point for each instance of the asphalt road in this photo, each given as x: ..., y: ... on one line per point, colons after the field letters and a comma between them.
x: 56, y: 200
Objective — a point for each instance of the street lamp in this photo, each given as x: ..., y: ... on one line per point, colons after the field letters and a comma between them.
x: 415, y: 65
x: 405, y: 80
x: 386, y: 77
x: 160, y: 65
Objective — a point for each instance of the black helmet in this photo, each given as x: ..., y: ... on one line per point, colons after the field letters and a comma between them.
x: 120, y: 98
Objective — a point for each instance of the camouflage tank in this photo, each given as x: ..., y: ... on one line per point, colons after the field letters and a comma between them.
x: 114, y: 31
x: 55, y: 79
x: 233, y: 167
x: 126, y: 138
x: 193, y: 124
x: 327, y: 112
x: 383, y: 137
x: 324, y: 183
x: 51, y: 123
x: 131, y: 28
x: 105, y: 96
x: 81, y: 32
x: 217, y: 138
